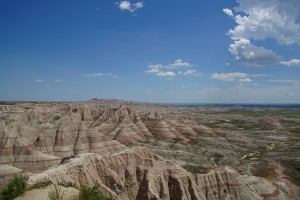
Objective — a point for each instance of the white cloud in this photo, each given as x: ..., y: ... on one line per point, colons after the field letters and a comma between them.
x: 93, y: 75
x: 57, y: 81
x: 39, y: 80
x: 260, y: 20
x: 229, y: 76
x: 277, y: 19
x: 245, y: 80
x: 227, y: 64
x: 125, y: 5
x: 249, y: 54
x: 179, y: 63
x: 154, y: 68
x: 293, y: 62
x: 139, y: 5
x: 169, y: 73
x: 191, y: 72
x: 169, y: 70
x: 228, y: 12
x: 132, y: 7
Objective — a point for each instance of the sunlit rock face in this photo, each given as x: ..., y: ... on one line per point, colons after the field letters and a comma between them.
x: 139, y: 174
x: 144, y: 151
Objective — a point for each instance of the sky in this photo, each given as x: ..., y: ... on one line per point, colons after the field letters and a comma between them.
x: 171, y: 51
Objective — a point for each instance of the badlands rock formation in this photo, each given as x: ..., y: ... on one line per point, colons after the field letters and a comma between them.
x: 143, y: 151
x: 139, y: 174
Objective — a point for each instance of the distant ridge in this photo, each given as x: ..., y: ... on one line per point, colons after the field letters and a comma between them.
x: 121, y: 102
x: 237, y: 105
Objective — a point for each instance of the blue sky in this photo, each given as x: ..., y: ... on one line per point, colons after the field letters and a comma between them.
x: 236, y: 51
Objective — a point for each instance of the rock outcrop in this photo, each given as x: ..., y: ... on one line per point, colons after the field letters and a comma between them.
x: 139, y: 174
x: 89, y: 144
x: 35, y: 137
x: 39, y: 136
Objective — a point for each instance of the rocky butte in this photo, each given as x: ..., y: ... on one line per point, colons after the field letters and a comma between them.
x: 144, y: 151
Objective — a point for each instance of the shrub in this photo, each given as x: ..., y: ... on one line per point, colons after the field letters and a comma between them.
x: 69, y: 184
x: 15, y: 187
x: 56, y: 193
x: 40, y: 184
x: 91, y: 194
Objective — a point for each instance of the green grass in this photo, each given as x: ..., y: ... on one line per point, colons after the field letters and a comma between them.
x: 91, y: 194
x: 40, y: 184
x: 69, y: 184
x: 15, y: 187
x: 56, y: 193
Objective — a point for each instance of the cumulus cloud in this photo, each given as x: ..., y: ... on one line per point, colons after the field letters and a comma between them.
x: 93, y: 75
x: 259, y: 20
x: 154, y: 68
x: 277, y: 19
x: 235, y: 76
x: 169, y: 70
x: 169, y: 73
x: 245, y: 80
x: 179, y: 63
x: 57, y: 81
x: 293, y: 62
x: 228, y: 12
x: 191, y: 72
x: 249, y: 54
x: 132, y: 7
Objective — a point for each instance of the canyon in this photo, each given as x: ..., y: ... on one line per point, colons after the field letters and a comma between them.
x: 141, y: 151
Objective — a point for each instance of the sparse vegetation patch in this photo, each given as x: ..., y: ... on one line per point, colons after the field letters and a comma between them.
x: 195, y: 169
x: 91, y: 194
x: 15, y: 187
x: 56, y: 193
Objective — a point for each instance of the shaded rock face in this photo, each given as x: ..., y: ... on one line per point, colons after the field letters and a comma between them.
x: 139, y: 174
